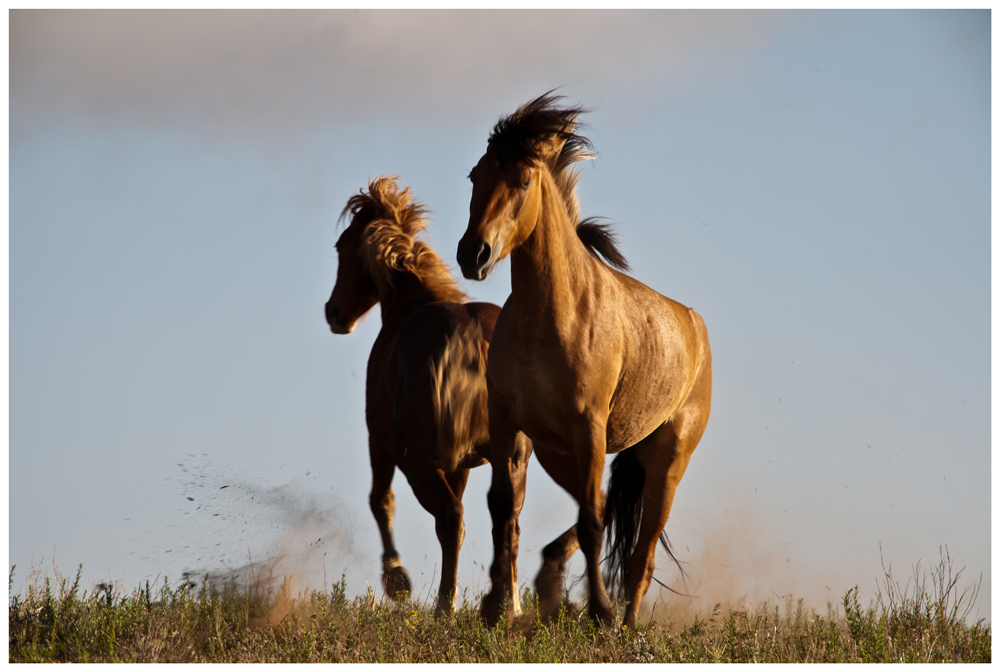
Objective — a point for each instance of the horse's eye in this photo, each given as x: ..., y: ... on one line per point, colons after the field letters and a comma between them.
x: 525, y: 184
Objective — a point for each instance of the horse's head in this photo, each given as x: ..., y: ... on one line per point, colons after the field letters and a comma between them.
x: 506, y: 197
x: 355, y: 292
x: 378, y: 250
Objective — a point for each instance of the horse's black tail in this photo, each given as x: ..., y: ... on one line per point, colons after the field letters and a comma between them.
x: 622, y: 514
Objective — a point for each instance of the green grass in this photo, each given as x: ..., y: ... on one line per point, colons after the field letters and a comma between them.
x: 56, y: 621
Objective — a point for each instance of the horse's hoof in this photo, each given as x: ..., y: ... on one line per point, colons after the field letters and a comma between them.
x: 548, y: 611
x: 527, y: 625
x: 442, y: 610
x: 550, y: 606
x: 396, y: 583
x: 549, y: 603
x: 601, y: 613
x: 490, y: 611
x: 549, y: 591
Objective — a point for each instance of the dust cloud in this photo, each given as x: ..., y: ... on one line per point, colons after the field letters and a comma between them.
x: 287, y: 539
x: 278, y: 538
x: 742, y: 562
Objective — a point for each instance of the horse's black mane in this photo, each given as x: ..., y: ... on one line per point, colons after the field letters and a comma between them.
x: 515, y: 138
x: 597, y: 236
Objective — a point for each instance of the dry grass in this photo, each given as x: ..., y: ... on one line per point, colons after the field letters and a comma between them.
x: 54, y: 621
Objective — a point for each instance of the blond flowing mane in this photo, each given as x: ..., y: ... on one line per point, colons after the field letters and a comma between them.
x: 391, y: 220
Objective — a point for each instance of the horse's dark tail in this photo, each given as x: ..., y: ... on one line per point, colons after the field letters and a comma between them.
x: 622, y: 514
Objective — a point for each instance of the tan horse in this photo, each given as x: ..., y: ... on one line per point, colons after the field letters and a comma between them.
x: 426, y: 383
x: 584, y: 359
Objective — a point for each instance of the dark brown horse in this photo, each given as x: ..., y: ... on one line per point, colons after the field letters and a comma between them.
x: 584, y: 359
x: 426, y: 385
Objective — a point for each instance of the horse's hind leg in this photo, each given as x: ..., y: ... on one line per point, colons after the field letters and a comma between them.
x: 664, y: 456
x: 550, y: 583
x: 383, y: 506
x: 457, y: 480
x: 434, y: 491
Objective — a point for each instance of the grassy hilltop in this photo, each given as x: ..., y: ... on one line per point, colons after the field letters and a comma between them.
x: 57, y: 621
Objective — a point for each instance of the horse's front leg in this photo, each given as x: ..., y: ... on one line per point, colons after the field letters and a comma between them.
x: 519, y: 479
x: 383, y: 506
x: 509, y: 463
x: 551, y: 579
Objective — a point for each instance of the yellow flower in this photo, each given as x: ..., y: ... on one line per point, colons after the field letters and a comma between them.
x: 411, y: 620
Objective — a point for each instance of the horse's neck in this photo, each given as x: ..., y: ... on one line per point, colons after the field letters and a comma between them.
x: 549, y: 271
x: 409, y: 295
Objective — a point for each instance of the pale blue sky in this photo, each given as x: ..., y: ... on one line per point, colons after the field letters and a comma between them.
x: 815, y: 184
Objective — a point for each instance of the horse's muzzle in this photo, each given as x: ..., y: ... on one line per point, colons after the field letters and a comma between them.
x: 333, y: 319
x: 475, y: 258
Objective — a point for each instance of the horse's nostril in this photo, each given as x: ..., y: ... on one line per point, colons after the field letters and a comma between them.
x: 484, y: 255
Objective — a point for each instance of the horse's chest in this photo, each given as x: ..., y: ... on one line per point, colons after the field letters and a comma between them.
x: 522, y: 375
x: 543, y: 390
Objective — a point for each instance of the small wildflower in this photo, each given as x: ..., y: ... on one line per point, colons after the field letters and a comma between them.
x: 411, y: 619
